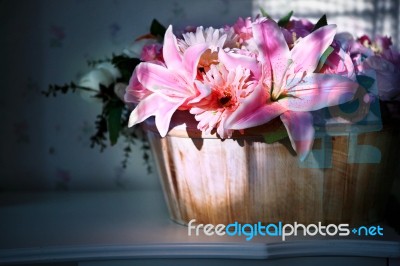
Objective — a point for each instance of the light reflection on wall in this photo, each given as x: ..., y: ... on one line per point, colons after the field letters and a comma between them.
x: 374, y: 17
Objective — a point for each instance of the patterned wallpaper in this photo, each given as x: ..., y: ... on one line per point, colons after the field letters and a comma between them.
x: 45, y: 141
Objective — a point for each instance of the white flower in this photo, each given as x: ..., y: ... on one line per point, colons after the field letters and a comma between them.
x: 119, y: 90
x: 104, y: 74
x: 215, y: 38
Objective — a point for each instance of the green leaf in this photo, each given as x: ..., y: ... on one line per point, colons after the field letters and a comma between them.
x: 114, y: 123
x: 157, y: 29
x: 365, y: 81
x: 321, y: 22
x: 264, y: 13
x: 275, y: 135
x: 323, y: 58
x: 285, y: 20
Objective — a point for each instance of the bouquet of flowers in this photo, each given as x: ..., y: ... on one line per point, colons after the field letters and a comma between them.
x: 240, y: 76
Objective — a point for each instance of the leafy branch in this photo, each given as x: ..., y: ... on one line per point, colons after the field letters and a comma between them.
x: 99, y: 138
x: 53, y: 90
x: 112, y: 122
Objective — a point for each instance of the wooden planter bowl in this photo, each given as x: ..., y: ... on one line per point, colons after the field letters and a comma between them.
x: 247, y: 180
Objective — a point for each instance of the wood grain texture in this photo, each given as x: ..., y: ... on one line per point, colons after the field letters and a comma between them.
x: 246, y: 180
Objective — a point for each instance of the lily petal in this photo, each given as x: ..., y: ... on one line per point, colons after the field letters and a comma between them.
x: 135, y: 92
x: 316, y: 91
x: 155, y: 105
x: 204, y: 92
x: 274, y: 51
x: 146, y: 108
x: 307, y: 52
x: 160, y: 80
x: 254, y: 111
x: 164, y: 115
x: 191, y: 58
x: 299, y: 126
x: 171, y: 54
x: 231, y: 61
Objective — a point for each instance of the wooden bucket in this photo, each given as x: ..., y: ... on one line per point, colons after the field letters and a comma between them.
x: 246, y: 180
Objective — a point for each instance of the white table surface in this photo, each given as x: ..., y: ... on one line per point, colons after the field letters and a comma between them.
x: 96, y: 227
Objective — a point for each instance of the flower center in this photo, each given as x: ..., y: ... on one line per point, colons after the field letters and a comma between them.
x: 277, y: 89
x: 224, y: 101
x: 207, y: 59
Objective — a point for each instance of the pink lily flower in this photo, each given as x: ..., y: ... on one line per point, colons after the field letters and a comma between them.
x: 171, y: 86
x: 290, y: 88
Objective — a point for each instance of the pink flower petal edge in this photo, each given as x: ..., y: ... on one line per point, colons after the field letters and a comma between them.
x: 299, y: 126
